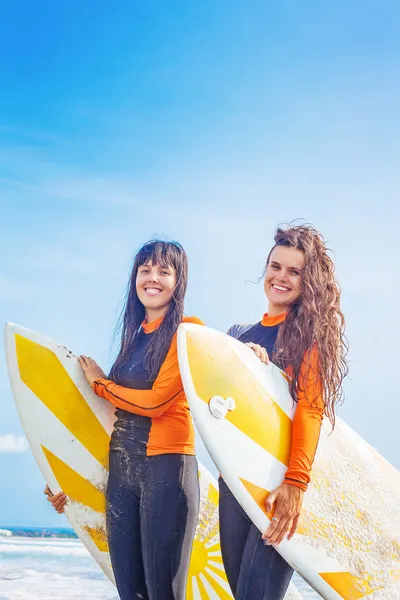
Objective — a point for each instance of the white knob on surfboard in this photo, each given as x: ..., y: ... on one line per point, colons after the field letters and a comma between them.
x: 219, y: 406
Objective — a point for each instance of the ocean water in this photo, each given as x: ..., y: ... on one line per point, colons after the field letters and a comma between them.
x: 53, y: 565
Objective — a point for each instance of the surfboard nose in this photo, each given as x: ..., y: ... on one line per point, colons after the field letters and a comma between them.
x: 215, y: 368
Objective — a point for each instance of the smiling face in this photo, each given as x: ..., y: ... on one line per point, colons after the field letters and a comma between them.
x: 155, y: 285
x: 283, y: 278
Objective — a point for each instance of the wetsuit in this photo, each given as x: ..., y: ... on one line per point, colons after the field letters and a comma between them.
x: 256, y: 571
x: 153, y: 490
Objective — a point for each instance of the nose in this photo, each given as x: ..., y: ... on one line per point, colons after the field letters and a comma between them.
x: 153, y: 275
x: 282, y: 275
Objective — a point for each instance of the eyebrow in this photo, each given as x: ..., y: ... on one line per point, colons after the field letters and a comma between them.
x: 148, y: 264
x: 274, y: 262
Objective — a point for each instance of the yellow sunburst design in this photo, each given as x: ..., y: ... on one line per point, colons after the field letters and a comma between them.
x: 206, y: 572
x: 43, y: 373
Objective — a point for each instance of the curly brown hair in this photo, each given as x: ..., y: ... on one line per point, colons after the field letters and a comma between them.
x: 315, y: 321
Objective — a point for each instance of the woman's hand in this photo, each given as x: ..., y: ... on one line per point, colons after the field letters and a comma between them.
x: 288, y: 500
x: 91, y: 369
x: 58, y: 501
x: 259, y: 351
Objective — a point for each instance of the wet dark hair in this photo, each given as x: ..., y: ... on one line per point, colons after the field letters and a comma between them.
x: 163, y: 254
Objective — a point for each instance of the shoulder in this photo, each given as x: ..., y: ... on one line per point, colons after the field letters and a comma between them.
x: 237, y: 330
x: 194, y: 320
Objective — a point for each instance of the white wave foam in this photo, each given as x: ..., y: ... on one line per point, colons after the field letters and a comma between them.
x: 30, y: 546
x: 53, y: 586
x: 5, y: 533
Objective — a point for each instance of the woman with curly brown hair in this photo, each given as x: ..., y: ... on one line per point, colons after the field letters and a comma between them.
x: 303, y: 333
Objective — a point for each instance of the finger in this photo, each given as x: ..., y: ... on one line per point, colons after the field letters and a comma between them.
x: 274, y: 522
x: 271, y: 529
x: 264, y: 356
x: 60, y: 511
x: 279, y: 532
x: 294, y: 527
x: 278, y: 518
x: 56, y: 496
x: 60, y: 503
x: 47, y: 491
x: 270, y: 501
x: 284, y: 532
x: 54, y: 499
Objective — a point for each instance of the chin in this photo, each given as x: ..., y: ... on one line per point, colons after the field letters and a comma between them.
x: 154, y: 305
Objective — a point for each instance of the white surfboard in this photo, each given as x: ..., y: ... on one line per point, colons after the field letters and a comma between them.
x: 68, y: 429
x: 348, y: 541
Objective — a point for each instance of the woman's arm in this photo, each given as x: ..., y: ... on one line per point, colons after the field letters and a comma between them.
x: 149, y: 403
x: 306, y: 424
x: 288, y: 497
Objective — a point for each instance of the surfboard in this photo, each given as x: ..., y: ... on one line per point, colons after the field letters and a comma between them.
x: 68, y: 429
x: 348, y: 542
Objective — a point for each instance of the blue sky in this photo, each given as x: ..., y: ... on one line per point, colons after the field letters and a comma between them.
x: 210, y: 123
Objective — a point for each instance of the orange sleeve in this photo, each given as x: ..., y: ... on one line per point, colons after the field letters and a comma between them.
x: 306, y: 423
x: 148, y: 403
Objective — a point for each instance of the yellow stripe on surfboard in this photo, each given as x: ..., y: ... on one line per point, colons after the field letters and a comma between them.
x: 217, y: 584
x: 348, y: 586
x: 98, y: 536
x: 76, y: 487
x: 344, y: 583
x: 43, y: 373
x: 258, y: 416
x: 258, y: 494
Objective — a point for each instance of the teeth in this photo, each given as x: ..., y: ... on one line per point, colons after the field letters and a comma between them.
x: 152, y: 291
x: 280, y: 288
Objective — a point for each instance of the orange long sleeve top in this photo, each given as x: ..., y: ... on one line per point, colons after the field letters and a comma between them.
x: 163, y: 402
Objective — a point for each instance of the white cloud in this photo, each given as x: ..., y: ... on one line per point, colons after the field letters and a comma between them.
x: 10, y: 443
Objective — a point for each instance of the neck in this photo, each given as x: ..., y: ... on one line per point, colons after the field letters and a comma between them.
x: 275, y: 309
x: 152, y: 314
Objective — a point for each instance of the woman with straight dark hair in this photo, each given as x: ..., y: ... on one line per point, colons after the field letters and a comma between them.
x: 303, y: 333
x: 153, y: 490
